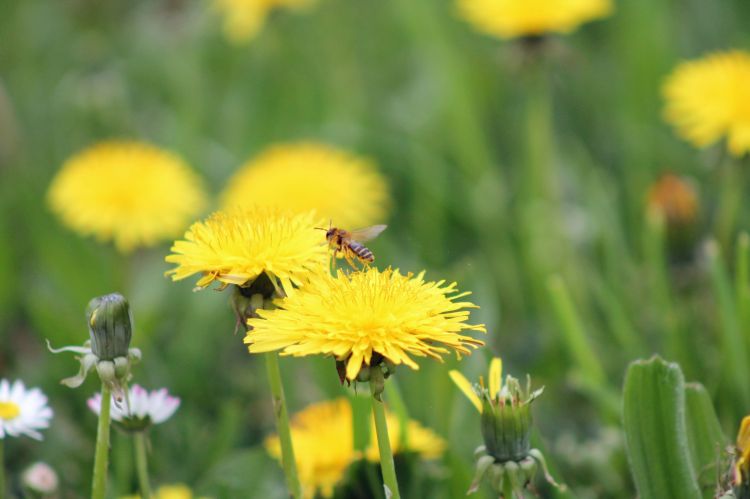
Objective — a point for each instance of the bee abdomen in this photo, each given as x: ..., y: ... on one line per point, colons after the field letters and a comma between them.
x: 362, y: 252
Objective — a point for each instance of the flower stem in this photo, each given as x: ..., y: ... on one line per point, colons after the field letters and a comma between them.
x: 282, y: 425
x: 381, y: 429
x: 99, y: 486
x: 2, y: 469
x: 141, y: 464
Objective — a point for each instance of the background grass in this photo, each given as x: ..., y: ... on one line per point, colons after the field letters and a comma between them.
x: 447, y: 114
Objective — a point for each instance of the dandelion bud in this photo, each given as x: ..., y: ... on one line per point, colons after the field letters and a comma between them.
x: 110, y: 326
x: 506, y: 459
x: 506, y: 424
x: 40, y: 478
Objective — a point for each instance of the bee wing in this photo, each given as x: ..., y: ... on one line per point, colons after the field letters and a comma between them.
x: 367, y: 233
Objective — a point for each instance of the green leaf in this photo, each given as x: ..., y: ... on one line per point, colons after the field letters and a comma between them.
x: 705, y: 437
x: 655, y: 431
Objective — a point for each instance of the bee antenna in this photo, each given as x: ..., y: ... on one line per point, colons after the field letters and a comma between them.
x: 321, y: 228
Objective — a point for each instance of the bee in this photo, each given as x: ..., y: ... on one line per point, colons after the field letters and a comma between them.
x: 349, y: 243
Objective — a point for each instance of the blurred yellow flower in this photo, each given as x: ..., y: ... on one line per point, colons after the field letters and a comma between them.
x: 340, y: 187
x: 517, y: 18
x: 177, y: 491
x: 236, y: 247
x: 709, y: 99
x: 364, y: 317
x: 243, y: 19
x: 322, y: 434
x: 419, y: 440
x: 128, y: 192
x: 742, y: 466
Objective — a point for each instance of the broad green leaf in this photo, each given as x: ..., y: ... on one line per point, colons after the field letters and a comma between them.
x: 705, y: 437
x: 655, y: 431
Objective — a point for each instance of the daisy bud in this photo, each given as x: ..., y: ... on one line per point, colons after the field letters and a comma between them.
x: 40, y: 479
x: 110, y: 326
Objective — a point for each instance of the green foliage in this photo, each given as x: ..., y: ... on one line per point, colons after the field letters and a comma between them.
x: 671, y: 431
x: 503, y: 173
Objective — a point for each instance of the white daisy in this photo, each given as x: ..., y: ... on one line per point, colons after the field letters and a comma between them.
x: 22, y: 411
x: 140, y: 409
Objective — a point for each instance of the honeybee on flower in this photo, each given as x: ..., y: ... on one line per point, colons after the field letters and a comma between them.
x: 348, y: 244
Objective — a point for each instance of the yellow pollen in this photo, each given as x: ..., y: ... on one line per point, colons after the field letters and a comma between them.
x: 9, y: 410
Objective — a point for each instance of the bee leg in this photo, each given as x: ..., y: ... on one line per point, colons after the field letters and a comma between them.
x: 350, y: 261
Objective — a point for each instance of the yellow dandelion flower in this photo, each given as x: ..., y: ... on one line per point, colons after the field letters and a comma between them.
x: 236, y: 247
x: 339, y: 186
x: 323, y: 445
x: 322, y: 434
x: 244, y: 19
x: 176, y: 491
x: 517, y: 18
x: 709, y: 99
x: 131, y: 193
x: 364, y: 317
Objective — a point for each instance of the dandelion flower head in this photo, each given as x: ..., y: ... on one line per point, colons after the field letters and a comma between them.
x: 363, y: 317
x: 22, y: 411
x: 324, y: 447
x: 236, y: 247
x: 131, y: 193
x: 244, y: 19
x: 339, y: 186
x: 518, y: 18
x: 709, y: 99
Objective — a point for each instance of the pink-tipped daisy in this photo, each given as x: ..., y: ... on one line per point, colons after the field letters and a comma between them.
x: 140, y: 409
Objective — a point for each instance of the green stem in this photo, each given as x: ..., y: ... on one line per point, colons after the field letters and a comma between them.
x: 574, y: 335
x: 99, y: 486
x: 2, y: 469
x: 141, y: 464
x: 655, y: 252
x: 387, y: 467
x: 539, y: 135
x: 507, y: 487
x: 730, y: 199
x: 282, y: 425
x: 734, y: 351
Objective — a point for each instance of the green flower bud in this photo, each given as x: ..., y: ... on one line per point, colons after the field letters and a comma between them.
x: 506, y: 422
x: 110, y: 326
